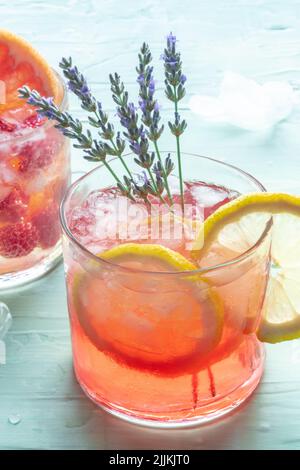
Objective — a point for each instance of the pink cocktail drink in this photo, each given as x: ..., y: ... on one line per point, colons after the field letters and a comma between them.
x: 34, y: 174
x: 151, y: 342
x: 34, y: 165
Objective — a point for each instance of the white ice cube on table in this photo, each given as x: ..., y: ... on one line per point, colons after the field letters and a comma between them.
x: 5, y: 320
x: 5, y: 323
x: 244, y: 103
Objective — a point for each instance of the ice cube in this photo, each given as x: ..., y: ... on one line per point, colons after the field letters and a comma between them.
x: 14, y: 418
x: 174, y: 184
x: 244, y: 103
x: 7, y: 176
x: 207, y: 195
x: 5, y: 319
x: 4, y: 191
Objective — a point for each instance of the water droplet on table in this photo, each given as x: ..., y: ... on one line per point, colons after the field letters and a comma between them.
x: 14, y: 418
x: 278, y: 27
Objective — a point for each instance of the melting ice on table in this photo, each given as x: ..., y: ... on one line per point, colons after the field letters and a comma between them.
x: 5, y: 323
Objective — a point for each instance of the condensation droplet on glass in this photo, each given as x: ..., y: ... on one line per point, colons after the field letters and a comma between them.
x: 200, y: 440
x: 14, y: 418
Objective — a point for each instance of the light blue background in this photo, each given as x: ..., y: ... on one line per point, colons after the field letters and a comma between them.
x: 259, y: 38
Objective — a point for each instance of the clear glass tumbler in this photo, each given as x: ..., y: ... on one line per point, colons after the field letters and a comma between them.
x: 152, y: 345
x: 34, y: 175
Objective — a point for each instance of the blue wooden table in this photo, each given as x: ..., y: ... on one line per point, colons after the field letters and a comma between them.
x: 41, y: 405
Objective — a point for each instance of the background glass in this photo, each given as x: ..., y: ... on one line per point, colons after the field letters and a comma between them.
x: 34, y: 175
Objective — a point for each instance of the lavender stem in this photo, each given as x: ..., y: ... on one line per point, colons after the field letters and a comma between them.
x: 111, y: 171
x: 155, y: 186
x: 163, y: 173
x: 121, y: 158
x: 179, y: 154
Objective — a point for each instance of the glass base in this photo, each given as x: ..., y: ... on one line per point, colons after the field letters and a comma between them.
x: 211, y: 411
x: 19, y: 278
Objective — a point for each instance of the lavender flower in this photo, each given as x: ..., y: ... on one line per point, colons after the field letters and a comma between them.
x: 175, y: 91
x: 95, y: 151
x: 47, y: 108
x: 140, y: 135
x: 182, y: 79
x: 149, y: 106
x: 135, y: 133
x: 147, y: 103
x: 145, y: 160
x: 171, y: 40
x: 168, y: 167
x: 34, y: 101
x: 178, y: 127
x: 126, y: 110
x: 78, y: 85
x: 126, y: 188
x: 174, y: 78
x: 143, y: 186
x: 142, y: 178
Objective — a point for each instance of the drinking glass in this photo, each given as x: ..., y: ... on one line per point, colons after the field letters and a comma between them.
x: 163, y: 348
x: 34, y: 175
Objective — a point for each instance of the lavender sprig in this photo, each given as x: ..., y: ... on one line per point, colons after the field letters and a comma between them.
x: 168, y: 167
x: 126, y: 188
x: 147, y: 103
x: 143, y: 186
x: 175, y: 91
x: 135, y: 134
x: 154, y: 178
x: 78, y: 85
x: 95, y: 151
x: 150, y: 108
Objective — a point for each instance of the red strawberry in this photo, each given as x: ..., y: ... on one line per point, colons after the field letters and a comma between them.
x: 47, y: 226
x: 23, y: 163
x: 81, y: 222
x: 34, y: 121
x: 40, y: 153
x: 17, y: 239
x: 35, y: 155
x: 7, y: 126
x: 14, y: 205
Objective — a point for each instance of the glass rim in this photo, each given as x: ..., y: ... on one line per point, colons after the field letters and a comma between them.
x: 62, y: 106
x: 101, y: 261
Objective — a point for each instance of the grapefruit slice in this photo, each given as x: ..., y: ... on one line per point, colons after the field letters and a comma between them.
x: 21, y: 64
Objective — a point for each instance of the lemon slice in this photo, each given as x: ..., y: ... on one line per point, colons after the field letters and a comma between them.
x: 136, y: 255
x: 236, y: 227
x: 148, y: 319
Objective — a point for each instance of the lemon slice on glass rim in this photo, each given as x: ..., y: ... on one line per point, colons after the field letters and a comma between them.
x: 236, y: 227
